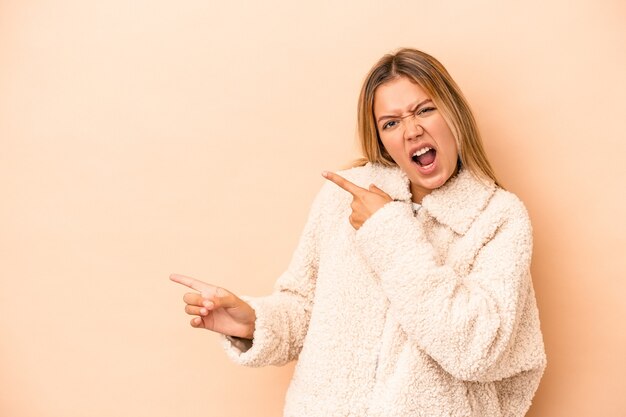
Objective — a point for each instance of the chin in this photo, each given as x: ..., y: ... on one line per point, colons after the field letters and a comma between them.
x: 432, y: 183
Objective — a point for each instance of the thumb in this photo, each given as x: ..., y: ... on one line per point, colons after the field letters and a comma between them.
x: 224, y: 299
x: 373, y: 188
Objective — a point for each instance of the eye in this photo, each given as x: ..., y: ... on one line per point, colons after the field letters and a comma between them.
x: 390, y: 124
x: 424, y: 110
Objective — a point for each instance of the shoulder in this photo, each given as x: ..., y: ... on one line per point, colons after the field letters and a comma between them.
x: 510, y: 213
x: 509, y: 204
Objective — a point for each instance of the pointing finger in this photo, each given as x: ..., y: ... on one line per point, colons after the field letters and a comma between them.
x: 343, y: 183
x: 191, y: 283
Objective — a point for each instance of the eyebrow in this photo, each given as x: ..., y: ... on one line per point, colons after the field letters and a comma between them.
x: 394, y: 115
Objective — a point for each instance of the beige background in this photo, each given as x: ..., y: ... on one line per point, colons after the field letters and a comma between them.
x: 148, y: 137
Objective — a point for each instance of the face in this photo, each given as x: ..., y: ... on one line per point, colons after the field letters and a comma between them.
x: 415, y: 134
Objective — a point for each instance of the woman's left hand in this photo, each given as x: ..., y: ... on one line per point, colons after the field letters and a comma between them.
x: 365, y: 202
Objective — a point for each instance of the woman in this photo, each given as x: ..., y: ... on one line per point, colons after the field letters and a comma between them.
x: 409, y: 293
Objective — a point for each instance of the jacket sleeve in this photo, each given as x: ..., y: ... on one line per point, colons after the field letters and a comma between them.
x: 471, y: 324
x: 282, y: 318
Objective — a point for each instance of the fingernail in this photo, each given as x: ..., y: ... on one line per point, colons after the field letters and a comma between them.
x: 203, y: 311
x: 325, y: 174
x: 208, y: 304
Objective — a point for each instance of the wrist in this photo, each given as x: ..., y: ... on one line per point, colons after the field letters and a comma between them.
x: 240, y: 343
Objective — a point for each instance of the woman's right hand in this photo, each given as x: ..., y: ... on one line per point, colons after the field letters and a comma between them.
x: 217, y: 309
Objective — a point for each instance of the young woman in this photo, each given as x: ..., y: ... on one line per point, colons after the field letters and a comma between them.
x: 409, y: 293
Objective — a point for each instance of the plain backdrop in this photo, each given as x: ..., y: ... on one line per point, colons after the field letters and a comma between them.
x: 140, y: 138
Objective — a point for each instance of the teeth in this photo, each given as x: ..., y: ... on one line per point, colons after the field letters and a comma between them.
x: 422, y: 151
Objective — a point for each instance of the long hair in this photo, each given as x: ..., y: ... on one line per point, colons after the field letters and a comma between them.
x: 429, y: 74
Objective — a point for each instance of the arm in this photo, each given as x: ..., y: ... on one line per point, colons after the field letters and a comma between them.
x: 282, y: 318
x: 466, y: 323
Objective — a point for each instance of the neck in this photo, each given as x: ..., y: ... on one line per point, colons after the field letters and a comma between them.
x: 418, y: 193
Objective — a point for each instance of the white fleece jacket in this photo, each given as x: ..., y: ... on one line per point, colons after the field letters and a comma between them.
x: 427, y: 315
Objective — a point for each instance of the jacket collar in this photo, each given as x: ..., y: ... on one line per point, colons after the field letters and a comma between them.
x: 455, y: 204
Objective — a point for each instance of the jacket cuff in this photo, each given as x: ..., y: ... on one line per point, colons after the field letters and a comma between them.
x: 251, y: 352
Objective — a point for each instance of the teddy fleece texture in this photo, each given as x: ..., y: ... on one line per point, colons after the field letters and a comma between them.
x: 431, y: 314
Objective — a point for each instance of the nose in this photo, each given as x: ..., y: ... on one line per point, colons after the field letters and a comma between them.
x: 412, y: 128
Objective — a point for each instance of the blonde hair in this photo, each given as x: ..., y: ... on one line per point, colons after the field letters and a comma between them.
x: 430, y: 75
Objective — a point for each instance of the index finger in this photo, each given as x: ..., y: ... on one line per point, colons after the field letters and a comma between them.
x: 343, y: 183
x: 192, y: 283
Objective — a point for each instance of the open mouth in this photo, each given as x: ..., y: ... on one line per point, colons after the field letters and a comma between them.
x: 424, y: 157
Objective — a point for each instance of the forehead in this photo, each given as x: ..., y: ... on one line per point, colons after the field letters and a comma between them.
x: 397, y: 96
